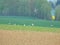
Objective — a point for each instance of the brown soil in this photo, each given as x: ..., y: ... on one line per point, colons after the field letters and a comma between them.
x: 29, y: 38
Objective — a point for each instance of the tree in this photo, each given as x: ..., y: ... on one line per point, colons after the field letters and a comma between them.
x: 26, y: 8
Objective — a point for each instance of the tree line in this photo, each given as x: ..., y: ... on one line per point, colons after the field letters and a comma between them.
x: 36, y: 8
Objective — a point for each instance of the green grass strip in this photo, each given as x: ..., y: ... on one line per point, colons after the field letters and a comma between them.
x: 28, y: 28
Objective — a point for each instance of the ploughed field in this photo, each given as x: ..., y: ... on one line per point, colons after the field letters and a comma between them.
x: 18, y: 37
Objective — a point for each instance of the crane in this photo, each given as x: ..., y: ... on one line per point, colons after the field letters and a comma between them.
x: 54, y: 4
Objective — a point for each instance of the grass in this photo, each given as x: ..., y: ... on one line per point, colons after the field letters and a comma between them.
x: 28, y: 28
x: 28, y: 21
x: 16, y: 23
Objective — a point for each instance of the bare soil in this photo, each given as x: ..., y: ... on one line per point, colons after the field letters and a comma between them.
x: 28, y: 38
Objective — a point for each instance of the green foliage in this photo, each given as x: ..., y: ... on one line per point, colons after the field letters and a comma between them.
x: 26, y: 8
x: 28, y: 28
x: 28, y: 21
x: 43, y: 9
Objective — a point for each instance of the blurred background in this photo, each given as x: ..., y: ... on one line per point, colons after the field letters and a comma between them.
x: 37, y: 12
